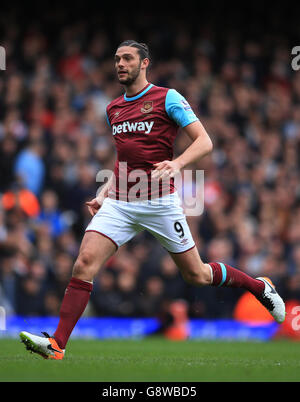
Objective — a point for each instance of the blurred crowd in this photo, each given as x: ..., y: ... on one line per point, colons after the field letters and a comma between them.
x: 54, y: 139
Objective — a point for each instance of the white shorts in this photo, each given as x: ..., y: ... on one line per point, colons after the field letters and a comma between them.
x: 163, y: 217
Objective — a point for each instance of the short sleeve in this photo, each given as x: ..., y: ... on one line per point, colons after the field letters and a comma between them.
x: 178, y: 109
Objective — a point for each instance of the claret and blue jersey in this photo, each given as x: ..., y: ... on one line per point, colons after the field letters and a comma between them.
x: 144, y: 126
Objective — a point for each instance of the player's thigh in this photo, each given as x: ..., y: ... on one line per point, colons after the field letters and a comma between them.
x: 166, y: 221
x: 95, y: 250
x: 115, y: 221
x: 192, y: 268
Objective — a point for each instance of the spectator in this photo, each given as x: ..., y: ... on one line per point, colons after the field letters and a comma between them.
x: 128, y: 305
x: 105, y: 300
x: 8, y: 152
x: 30, y: 297
x: 30, y: 168
x: 50, y: 214
x: 169, y: 273
x: 9, y: 278
x: 151, y: 297
x: 61, y: 272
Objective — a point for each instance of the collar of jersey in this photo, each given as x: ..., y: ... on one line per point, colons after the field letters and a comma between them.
x: 139, y: 95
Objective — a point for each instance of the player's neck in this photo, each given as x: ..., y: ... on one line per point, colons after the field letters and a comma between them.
x: 136, y: 87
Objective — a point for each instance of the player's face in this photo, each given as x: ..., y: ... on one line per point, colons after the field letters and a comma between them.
x: 128, y: 64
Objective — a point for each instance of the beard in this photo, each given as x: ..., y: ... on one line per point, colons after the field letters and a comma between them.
x: 131, y: 77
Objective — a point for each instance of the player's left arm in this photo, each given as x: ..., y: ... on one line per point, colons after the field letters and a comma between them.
x: 180, y: 111
x: 200, y: 147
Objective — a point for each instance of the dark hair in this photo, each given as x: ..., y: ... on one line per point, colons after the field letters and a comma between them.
x: 143, y: 49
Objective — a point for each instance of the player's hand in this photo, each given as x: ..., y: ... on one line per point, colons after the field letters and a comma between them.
x: 94, y: 205
x: 165, y: 169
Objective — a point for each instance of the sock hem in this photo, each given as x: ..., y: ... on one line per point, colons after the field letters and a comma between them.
x: 80, y: 284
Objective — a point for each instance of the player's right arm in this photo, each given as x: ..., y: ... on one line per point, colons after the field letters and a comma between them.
x: 96, y: 203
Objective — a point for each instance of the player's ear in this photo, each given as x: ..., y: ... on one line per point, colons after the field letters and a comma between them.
x: 145, y: 62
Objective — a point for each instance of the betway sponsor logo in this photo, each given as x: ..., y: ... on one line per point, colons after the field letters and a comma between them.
x: 138, y: 126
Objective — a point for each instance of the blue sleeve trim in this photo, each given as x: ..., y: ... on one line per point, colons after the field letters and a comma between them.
x: 178, y: 109
x: 224, y: 273
x: 108, y: 122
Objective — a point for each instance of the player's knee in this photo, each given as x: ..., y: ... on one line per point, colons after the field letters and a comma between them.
x: 83, y: 266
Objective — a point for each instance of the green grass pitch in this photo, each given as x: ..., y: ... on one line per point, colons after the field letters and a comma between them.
x: 154, y: 359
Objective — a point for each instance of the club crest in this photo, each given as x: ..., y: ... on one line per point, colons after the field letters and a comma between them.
x: 147, y: 107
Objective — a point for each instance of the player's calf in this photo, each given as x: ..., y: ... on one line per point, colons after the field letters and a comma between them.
x: 200, y: 276
x: 193, y: 270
